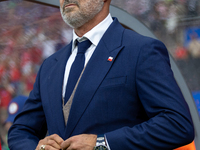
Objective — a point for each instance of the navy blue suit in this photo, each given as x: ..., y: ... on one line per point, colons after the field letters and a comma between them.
x: 134, y: 99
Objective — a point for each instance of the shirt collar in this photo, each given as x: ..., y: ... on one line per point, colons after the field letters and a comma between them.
x: 95, y: 34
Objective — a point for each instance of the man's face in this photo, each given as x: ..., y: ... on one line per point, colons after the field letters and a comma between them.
x: 77, y: 12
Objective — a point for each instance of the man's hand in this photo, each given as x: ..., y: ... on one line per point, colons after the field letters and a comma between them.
x: 80, y: 142
x: 51, y: 142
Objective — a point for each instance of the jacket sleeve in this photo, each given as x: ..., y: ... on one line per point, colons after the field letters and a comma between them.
x: 30, y: 125
x: 170, y: 124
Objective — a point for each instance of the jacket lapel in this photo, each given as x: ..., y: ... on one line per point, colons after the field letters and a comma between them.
x: 96, y: 69
x: 55, y: 84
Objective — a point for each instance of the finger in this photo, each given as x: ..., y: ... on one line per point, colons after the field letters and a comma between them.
x: 55, y: 138
x: 51, y: 142
x: 54, y: 144
x: 41, y: 142
x: 66, y: 144
x: 48, y: 147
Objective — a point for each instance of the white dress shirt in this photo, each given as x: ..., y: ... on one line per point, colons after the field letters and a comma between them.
x: 94, y: 35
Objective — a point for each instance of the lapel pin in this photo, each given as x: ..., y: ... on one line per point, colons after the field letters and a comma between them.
x: 110, y: 58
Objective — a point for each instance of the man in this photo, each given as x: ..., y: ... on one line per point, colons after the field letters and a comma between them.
x: 126, y: 97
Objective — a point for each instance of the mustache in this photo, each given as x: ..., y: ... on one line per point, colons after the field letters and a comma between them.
x: 67, y: 2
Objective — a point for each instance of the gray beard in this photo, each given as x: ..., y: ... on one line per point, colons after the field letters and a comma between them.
x: 75, y: 20
x: 78, y: 19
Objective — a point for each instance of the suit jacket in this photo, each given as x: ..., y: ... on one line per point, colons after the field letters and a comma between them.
x: 134, y: 99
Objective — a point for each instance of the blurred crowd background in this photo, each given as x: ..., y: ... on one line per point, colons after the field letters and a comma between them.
x: 30, y: 32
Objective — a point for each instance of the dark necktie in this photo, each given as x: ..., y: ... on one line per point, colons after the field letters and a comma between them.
x: 76, y: 68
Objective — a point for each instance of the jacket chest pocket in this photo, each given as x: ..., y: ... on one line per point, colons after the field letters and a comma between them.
x: 115, y: 81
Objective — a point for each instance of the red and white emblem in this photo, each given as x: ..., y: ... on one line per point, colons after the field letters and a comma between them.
x: 110, y: 58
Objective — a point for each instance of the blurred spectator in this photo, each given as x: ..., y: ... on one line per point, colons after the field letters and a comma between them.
x: 192, y: 8
x: 48, y: 48
x: 194, y: 45
x: 29, y: 80
x: 60, y: 44
x: 180, y: 52
x: 172, y: 20
x: 14, y: 108
x: 162, y: 9
x: 5, y: 97
x: 137, y: 7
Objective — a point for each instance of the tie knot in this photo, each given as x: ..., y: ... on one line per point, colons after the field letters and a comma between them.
x: 83, y: 46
